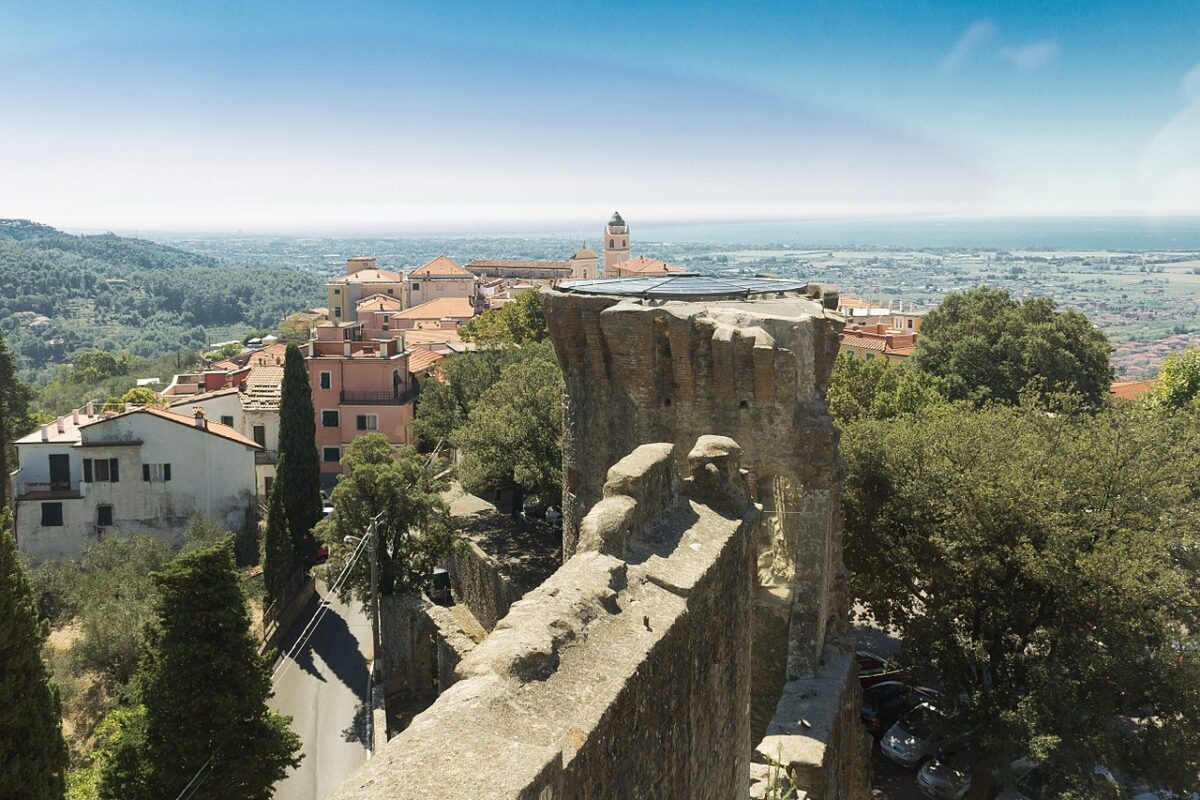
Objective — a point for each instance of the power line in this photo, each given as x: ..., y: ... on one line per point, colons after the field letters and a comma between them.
x: 287, y: 660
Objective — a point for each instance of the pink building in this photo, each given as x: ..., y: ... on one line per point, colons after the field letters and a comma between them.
x: 359, y: 385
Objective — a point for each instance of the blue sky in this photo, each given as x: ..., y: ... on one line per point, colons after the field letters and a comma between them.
x: 438, y: 116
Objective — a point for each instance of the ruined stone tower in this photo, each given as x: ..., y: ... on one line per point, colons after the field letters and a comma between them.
x: 616, y: 244
x: 654, y: 359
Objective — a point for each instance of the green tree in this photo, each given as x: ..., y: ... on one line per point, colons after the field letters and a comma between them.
x: 279, y: 562
x: 32, y: 750
x: 92, y: 366
x: 1179, y: 380
x: 203, y: 689
x: 1041, y: 566
x: 513, y: 434
x: 416, y: 532
x: 139, y: 396
x: 298, y: 474
x: 14, y: 414
x: 518, y: 322
x: 988, y: 346
x: 879, y: 389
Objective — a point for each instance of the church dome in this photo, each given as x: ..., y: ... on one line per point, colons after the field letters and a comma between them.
x: 585, y: 252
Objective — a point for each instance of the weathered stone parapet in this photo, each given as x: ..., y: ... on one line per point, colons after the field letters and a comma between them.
x: 625, y: 675
x: 477, y: 582
x: 816, y: 734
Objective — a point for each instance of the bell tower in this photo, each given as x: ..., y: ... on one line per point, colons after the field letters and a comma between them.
x: 616, y: 244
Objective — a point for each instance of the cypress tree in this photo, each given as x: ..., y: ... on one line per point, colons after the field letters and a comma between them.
x: 14, y: 411
x: 33, y: 755
x: 298, y: 475
x: 203, y: 688
x: 280, y: 558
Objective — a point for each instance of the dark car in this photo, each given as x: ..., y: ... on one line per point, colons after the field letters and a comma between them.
x: 884, y: 704
x: 873, y: 669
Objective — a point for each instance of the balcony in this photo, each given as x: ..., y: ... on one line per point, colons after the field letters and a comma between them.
x: 379, y: 398
x: 265, y: 456
x: 48, y: 490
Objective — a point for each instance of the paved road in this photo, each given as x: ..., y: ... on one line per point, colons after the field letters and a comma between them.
x: 325, y: 691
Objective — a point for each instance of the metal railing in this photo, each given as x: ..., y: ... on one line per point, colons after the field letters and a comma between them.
x: 380, y: 398
x: 47, y: 487
x: 266, y: 456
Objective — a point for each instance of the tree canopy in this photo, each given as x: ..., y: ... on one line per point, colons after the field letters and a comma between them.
x: 879, y: 389
x: 986, y: 345
x: 32, y: 750
x: 416, y: 532
x: 1179, y: 380
x: 513, y: 433
x: 202, y: 688
x: 14, y: 413
x: 517, y: 322
x: 1042, y: 566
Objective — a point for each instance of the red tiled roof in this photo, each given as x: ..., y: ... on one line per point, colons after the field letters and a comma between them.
x: 371, y: 276
x: 380, y: 302
x: 215, y: 428
x: 646, y: 266
x: 421, y: 360
x: 458, y: 307
x: 496, y: 263
x: 441, y: 266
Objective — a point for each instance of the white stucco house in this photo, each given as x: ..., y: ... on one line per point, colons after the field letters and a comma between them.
x: 251, y: 409
x: 147, y: 470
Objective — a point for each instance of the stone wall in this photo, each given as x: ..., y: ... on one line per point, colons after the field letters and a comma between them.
x: 477, y: 582
x: 421, y: 645
x: 625, y: 675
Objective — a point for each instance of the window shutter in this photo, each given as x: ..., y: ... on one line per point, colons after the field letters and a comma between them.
x: 113, y: 474
x: 145, y: 472
x: 166, y: 472
x: 87, y: 470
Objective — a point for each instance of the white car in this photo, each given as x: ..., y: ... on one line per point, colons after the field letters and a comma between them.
x: 1032, y: 785
x: 911, y: 741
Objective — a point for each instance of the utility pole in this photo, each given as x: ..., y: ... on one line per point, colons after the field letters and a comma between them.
x: 374, y: 534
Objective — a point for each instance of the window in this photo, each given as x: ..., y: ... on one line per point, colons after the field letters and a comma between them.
x: 330, y: 419
x: 367, y: 422
x: 910, y: 323
x: 100, y: 470
x: 326, y: 380
x: 337, y: 291
x: 387, y: 324
x: 391, y: 291
x: 337, y: 311
x: 331, y: 454
x: 226, y: 419
x: 416, y: 285
x: 260, y: 435
x: 104, y: 516
x: 611, y: 244
x: 52, y: 515
x: 156, y: 472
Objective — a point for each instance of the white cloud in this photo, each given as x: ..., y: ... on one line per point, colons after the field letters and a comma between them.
x: 1032, y: 55
x: 976, y: 34
x: 1170, y: 164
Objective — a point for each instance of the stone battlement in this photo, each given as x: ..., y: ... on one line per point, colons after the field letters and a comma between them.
x: 626, y: 674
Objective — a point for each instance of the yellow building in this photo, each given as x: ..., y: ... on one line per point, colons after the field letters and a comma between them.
x: 440, y: 278
x: 363, y: 278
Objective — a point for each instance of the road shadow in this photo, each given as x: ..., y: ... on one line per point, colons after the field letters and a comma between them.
x: 335, y: 643
x: 356, y: 731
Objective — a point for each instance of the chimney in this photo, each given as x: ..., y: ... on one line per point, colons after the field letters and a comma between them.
x: 91, y: 408
x: 383, y: 348
x: 45, y: 433
x: 75, y: 417
x: 199, y: 413
x: 60, y: 423
x: 346, y: 349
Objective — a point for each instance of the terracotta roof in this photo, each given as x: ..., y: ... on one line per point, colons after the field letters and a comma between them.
x: 432, y: 336
x: 496, y: 263
x: 371, y: 276
x: 380, y: 302
x: 269, y: 356
x: 646, y: 266
x: 192, y: 398
x: 441, y: 266
x: 215, y: 428
x: 421, y: 360
x: 458, y: 307
x: 262, y: 389
x: 1131, y: 390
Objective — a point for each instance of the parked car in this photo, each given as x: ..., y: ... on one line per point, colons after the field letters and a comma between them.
x: 1036, y: 785
x: 914, y: 739
x: 884, y: 704
x: 948, y: 776
x: 533, y: 506
x: 439, y: 586
x: 873, y: 669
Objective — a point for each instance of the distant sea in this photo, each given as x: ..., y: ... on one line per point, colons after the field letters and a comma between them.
x: 1040, y: 233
